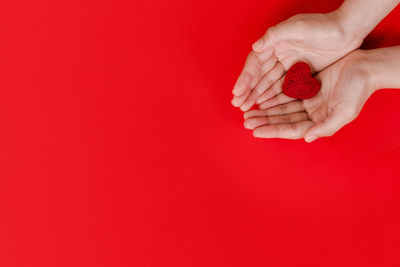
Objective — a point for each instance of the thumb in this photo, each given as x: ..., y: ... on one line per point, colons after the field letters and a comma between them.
x: 333, y: 123
x: 281, y: 32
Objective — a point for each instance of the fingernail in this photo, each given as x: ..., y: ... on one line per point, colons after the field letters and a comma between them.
x: 311, y: 138
x: 256, y: 134
x: 258, y: 44
x: 244, y: 108
x: 236, y: 90
x: 235, y: 102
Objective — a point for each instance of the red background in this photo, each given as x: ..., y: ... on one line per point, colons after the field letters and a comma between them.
x: 119, y: 145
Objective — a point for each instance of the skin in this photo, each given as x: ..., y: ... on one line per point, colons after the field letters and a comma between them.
x: 346, y: 86
x: 318, y: 39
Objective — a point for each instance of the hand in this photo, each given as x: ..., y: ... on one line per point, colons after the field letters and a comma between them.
x: 318, y: 39
x: 346, y: 86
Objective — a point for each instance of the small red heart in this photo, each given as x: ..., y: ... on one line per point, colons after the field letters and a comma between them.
x: 299, y: 83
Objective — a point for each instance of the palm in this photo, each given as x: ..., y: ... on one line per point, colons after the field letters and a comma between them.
x: 317, y: 39
x: 343, y: 90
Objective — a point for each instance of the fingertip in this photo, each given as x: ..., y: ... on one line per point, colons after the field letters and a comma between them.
x: 247, y: 125
x: 256, y: 133
x: 244, y: 108
x: 234, y: 102
x: 310, y: 138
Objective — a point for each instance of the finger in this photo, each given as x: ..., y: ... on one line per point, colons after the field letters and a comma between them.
x: 291, y: 107
x: 252, y: 66
x: 333, y: 123
x: 265, y: 68
x: 281, y: 32
x: 274, y: 90
x: 266, y: 82
x: 268, y: 65
x: 276, y: 100
x: 237, y: 101
x: 272, y: 111
x: 287, y: 131
x: 255, y: 122
x: 255, y: 113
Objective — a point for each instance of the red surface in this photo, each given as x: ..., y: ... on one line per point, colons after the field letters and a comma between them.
x: 119, y: 145
x: 299, y: 83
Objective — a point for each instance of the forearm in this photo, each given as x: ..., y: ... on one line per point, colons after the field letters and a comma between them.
x: 360, y: 17
x: 383, y: 67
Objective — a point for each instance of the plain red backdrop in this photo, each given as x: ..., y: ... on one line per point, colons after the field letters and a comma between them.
x: 119, y: 145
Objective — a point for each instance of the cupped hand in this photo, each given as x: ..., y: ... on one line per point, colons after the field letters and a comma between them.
x: 318, y: 39
x: 345, y: 87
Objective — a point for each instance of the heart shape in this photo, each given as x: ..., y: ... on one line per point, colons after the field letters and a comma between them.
x: 299, y: 83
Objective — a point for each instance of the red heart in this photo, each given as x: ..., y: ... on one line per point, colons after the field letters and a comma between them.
x: 299, y: 83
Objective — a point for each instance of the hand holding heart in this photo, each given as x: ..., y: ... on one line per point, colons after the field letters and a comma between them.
x: 307, y: 76
x: 317, y: 39
x: 345, y: 88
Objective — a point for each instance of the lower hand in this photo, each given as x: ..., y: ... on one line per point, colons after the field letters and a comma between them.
x: 346, y: 86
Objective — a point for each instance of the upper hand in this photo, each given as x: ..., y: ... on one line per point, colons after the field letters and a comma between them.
x: 318, y: 39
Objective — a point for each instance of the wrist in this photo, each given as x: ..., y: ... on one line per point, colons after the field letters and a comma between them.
x: 348, y: 25
x: 369, y: 63
x: 361, y: 64
x: 382, y: 65
x: 359, y: 17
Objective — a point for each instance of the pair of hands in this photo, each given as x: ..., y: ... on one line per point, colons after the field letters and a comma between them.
x: 329, y: 48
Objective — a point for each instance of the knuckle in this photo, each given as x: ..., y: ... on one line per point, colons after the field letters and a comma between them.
x: 298, y: 19
x: 286, y: 63
x: 278, y: 50
x: 251, y: 56
x: 270, y: 33
x: 267, y: 81
x: 270, y: 30
x: 283, y: 108
x: 287, y: 119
